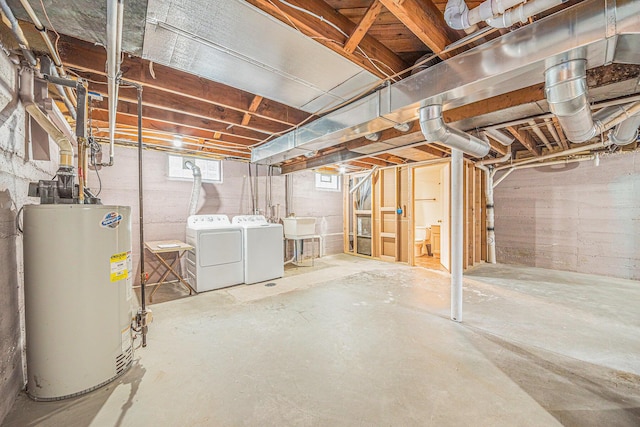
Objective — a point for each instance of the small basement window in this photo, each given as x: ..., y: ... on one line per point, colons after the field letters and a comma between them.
x: 327, y: 182
x: 211, y: 169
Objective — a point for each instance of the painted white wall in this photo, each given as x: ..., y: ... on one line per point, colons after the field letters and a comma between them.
x: 575, y: 217
x: 16, y: 171
x: 166, y: 201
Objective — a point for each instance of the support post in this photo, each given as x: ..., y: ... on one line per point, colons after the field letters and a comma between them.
x: 457, y: 172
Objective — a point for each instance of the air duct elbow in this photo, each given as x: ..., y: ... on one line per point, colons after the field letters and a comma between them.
x: 626, y: 132
x: 435, y: 129
x: 566, y: 92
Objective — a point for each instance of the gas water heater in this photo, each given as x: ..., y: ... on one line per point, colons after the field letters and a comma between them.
x: 77, y: 283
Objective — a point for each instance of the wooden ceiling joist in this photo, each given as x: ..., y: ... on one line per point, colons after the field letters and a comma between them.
x: 334, y: 38
x: 363, y: 26
x: 252, y: 109
x: 167, y: 116
x: 87, y: 57
x: 525, y: 140
x: 424, y: 20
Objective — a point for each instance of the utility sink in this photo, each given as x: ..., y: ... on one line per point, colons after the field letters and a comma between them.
x: 300, y: 227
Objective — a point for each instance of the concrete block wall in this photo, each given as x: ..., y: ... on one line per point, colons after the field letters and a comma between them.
x: 166, y: 201
x: 16, y: 171
x: 577, y: 217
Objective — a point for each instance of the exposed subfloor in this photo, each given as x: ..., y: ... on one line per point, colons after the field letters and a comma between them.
x: 355, y: 342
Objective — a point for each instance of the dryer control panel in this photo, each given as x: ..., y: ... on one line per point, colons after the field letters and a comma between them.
x: 249, y: 220
x: 199, y: 222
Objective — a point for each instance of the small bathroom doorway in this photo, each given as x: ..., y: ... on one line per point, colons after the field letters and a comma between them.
x: 431, y: 201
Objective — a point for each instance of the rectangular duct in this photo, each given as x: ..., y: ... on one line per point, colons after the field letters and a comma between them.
x: 606, y: 31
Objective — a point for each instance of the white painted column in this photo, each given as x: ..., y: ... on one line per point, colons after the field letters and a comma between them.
x: 457, y: 241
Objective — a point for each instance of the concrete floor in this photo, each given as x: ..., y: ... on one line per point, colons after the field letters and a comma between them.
x: 355, y: 342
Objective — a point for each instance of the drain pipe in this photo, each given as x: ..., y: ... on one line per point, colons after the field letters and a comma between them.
x: 17, y: 32
x: 489, y: 172
x: 197, y: 182
x: 114, y: 51
x: 522, y: 13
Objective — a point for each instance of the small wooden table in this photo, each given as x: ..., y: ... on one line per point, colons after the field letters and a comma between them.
x: 159, y: 247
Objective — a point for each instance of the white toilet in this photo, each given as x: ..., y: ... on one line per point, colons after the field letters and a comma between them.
x: 421, y: 236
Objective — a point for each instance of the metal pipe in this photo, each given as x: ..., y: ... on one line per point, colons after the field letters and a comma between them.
x: 436, y: 130
x: 114, y: 41
x: 499, y: 136
x: 143, y: 275
x: 67, y: 95
x: 627, y: 131
x: 457, y: 171
x: 27, y: 98
x: 17, y: 32
x: 363, y: 180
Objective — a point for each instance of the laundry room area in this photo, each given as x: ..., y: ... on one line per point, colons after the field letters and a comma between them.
x: 319, y: 213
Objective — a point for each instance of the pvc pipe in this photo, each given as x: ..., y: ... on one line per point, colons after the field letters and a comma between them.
x: 457, y: 171
x: 114, y: 42
x: 502, y: 159
x: 459, y: 17
x: 17, y: 32
x: 569, y: 152
x: 521, y: 13
x: 503, y: 177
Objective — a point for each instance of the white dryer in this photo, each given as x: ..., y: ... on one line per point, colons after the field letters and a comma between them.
x: 263, y: 248
x: 217, y: 260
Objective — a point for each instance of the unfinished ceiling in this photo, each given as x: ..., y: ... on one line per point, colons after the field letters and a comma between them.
x: 227, y: 76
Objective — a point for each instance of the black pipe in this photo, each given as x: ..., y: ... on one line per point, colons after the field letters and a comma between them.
x: 143, y: 275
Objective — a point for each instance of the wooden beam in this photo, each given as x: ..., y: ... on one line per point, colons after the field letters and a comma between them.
x: 252, y: 108
x: 563, y: 139
x: 157, y: 98
x: 374, y: 161
x: 85, y: 56
x: 183, y: 119
x: 525, y: 140
x: 497, y: 147
x: 424, y: 20
x: 363, y: 26
x: 331, y: 37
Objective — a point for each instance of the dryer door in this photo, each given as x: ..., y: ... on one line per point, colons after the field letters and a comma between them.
x: 218, y: 247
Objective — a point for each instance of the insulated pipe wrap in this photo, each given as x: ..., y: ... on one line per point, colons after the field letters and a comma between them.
x: 436, y: 130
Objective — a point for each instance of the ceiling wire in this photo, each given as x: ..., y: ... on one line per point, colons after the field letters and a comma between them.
x: 46, y: 15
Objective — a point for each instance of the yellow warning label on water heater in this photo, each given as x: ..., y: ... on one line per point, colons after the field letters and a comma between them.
x: 119, y: 270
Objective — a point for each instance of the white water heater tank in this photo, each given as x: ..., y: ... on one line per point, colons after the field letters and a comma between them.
x: 77, y: 283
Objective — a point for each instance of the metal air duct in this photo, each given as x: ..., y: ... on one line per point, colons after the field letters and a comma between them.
x: 499, y: 136
x: 606, y: 32
x: 627, y: 131
x: 436, y: 130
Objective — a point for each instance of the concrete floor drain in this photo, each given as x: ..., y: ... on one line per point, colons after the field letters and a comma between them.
x: 270, y: 284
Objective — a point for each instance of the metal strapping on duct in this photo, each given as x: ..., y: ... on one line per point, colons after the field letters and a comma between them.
x: 605, y: 32
x: 436, y: 130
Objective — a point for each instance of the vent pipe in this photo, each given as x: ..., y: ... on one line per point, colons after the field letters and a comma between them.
x: 114, y: 51
x: 436, y: 130
x: 499, y: 136
x: 197, y: 182
x: 27, y: 98
x: 626, y: 132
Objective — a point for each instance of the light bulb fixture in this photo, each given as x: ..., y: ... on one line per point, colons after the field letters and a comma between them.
x: 402, y: 127
x: 342, y: 169
x: 177, y: 141
x: 373, y: 136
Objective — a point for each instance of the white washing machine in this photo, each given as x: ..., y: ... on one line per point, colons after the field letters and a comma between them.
x: 263, y: 248
x: 217, y: 260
